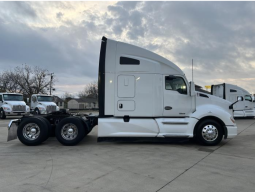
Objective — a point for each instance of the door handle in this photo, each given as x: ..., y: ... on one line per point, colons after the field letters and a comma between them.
x: 120, y: 105
x: 168, y: 108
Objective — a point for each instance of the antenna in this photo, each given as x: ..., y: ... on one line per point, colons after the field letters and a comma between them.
x: 192, y: 69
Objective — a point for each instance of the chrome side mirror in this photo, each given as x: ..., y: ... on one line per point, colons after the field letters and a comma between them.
x: 239, y: 98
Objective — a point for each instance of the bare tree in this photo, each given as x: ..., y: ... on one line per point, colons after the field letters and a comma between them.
x: 7, y: 83
x: 67, y: 95
x: 26, y: 80
x: 90, y: 90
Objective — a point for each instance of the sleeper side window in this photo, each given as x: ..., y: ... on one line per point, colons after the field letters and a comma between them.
x: 129, y: 61
x: 175, y: 83
x: 248, y: 98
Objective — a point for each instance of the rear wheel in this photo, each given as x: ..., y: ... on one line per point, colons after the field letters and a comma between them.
x: 209, y: 132
x: 70, y: 131
x: 32, y: 131
x: 49, y: 127
x: 2, y: 114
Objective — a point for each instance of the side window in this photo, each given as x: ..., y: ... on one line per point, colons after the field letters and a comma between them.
x: 248, y: 98
x: 129, y: 61
x: 175, y: 84
x: 34, y: 99
x: 1, y: 99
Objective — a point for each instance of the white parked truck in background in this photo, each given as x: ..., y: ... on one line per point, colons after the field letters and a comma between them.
x: 141, y: 95
x: 43, y: 104
x: 230, y: 93
x: 12, y: 104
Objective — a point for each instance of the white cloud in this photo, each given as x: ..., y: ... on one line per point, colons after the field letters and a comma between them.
x: 64, y: 37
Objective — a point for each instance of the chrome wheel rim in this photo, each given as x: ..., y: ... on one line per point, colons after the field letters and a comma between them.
x: 31, y: 131
x: 210, y: 133
x: 69, y: 131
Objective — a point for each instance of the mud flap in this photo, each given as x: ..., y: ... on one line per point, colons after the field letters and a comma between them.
x: 12, y: 130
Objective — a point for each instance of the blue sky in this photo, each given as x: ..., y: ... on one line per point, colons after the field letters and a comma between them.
x: 64, y: 37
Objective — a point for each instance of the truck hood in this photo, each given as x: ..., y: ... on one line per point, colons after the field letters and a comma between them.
x: 203, y: 98
x: 11, y: 103
x: 45, y: 104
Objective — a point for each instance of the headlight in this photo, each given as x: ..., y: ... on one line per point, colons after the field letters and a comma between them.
x: 41, y: 108
x: 6, y: 108
x: 232, y: 119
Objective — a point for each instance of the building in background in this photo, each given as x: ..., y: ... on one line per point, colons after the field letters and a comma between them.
x: 60, y: 102
x: 83, y: 103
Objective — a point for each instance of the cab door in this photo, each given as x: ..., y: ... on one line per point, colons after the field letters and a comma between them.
x: 177, y: 101
x: 33, y: 102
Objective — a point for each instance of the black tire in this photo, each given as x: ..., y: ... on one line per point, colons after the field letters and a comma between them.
x: 49, y: 127
x: 208, y: 125
x: 73, y: 123
x: 2, y: 114
x: 37, y: 112
x: 41, y: 136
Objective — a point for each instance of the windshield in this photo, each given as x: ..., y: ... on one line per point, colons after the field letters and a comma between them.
x: 13, y: 97
x: 45, y: 98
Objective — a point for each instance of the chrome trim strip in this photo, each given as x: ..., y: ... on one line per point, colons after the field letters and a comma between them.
x: 171, y: 135
x: 175, y: 123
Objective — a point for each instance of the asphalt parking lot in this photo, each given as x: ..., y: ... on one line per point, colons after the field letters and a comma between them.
x: 136, y: 167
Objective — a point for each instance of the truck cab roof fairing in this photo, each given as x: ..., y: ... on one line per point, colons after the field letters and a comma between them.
x: 101, y: 77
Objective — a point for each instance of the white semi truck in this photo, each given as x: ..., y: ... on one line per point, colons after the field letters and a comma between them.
x: 230, y: 93
x: 43, y: 104
x: 141, y: 95
x: 12, y: 104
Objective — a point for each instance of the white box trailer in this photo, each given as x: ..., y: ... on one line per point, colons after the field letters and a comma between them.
x: 230, y: 93
x: 12, y: 104
x: 141, y: 95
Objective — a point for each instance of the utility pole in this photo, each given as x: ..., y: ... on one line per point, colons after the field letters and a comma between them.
x: 192, y: 70
x: 51, y: 78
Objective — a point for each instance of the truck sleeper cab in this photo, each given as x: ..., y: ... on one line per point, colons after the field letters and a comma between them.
x: 12, y: 104
x: 230, y: 93
x: 141, y: 94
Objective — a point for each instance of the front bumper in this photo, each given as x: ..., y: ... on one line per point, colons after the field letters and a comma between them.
x: 232, y: 131
x: 7, y: 113
x: 12, y: 129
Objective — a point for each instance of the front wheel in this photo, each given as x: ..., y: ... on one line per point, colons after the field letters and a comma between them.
x: 2, y: 114
x: 37, y: 112
x: 209, y: 132
x: 70, y: 131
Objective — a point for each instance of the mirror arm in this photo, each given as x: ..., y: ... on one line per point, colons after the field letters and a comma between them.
x: 231, y: 106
